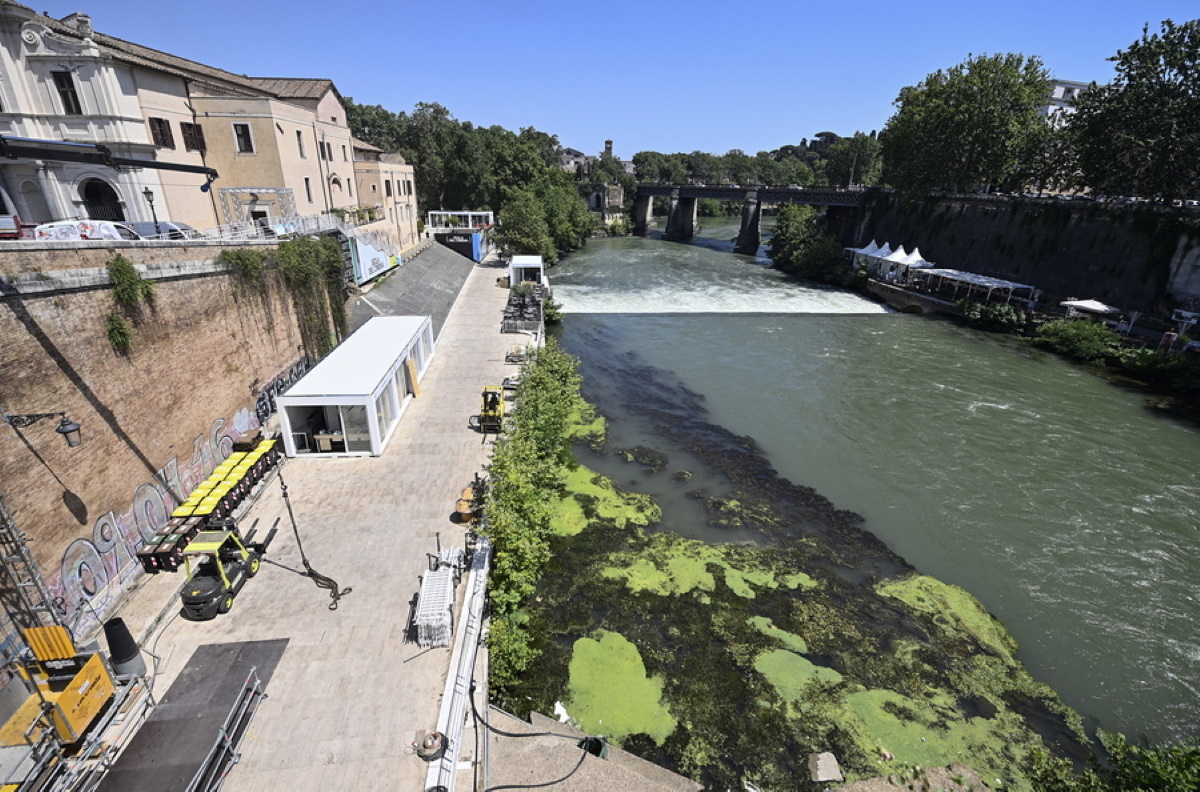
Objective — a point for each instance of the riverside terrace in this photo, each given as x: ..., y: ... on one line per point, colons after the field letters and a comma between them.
x: 681, y: 220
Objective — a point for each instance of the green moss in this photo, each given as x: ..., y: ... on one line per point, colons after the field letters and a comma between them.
x: 671, y: 565
x: 732, y: 512
x: 934, y: 732
x: 611, y: 693
x: 953, y: 609
x: 790, y: 673
x: 675, y: 575
x: 588, y: 427
x: 790, y: 640
x: 603, y: 501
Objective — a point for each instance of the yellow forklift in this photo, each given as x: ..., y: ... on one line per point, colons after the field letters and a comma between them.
x: 218, y: 563
x: 491, y: 410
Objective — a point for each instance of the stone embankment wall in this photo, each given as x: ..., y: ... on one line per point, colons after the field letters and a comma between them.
x: 1138, y: 257
x: 155, y: 421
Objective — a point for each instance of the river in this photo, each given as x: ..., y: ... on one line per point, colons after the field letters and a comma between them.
x: 1056, y: 498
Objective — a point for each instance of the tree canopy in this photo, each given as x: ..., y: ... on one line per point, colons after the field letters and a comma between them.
x: 966, y: 127
x: 1140, y: 135
x: 456, y: 165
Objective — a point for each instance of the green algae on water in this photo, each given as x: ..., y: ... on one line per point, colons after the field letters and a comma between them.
x: 789, y: 673
x: 671, y: 565
x: 590, y: 496
x: 952, y: 608
x: 611, y: 694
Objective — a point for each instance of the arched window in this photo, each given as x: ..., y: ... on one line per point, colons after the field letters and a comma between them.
x: 101, y: 201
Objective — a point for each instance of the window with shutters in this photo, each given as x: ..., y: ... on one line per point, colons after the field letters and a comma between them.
x: 193, y: 136
x: 160, y: 133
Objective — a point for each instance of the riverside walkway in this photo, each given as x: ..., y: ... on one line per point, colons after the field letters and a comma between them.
x: 350, y: 692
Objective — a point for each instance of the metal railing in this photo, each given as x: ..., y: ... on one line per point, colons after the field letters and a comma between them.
x: 276, y: 228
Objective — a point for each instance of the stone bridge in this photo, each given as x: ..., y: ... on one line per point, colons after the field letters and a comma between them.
x: 681, y: 220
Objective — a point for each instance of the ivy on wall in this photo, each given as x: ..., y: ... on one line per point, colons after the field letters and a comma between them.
x: 312, y: 270
x: 130, y: 292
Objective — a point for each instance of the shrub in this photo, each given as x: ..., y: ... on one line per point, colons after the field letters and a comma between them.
x: 129, y: 290
x: 1082, y: 339
x: 120, y: 335
x: 245, y: 263
x: 993, y: 317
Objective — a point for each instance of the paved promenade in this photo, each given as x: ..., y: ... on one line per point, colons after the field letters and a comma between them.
x: 349, y: 693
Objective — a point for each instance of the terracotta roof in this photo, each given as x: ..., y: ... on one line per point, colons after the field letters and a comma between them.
x: 295, y: 87
x: 364, y: 145
x: 181, y: 67
x: 209, y: 76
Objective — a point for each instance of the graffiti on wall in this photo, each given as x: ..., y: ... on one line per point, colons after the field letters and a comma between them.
x: 264, y: 407
x: 97, y: 572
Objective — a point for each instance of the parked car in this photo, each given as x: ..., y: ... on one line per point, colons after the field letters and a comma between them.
x: 166, y: 229
x: 75, y: 230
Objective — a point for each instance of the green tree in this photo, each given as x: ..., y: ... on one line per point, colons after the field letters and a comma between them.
x: 803, y: 248
x: 523, y: 228
x: 649, y: 166
x: 965, y: 127
x: 738, y: 168
x: 1140, y: 135
x: 795, y: 229
x: 546, y: 146
x: 704, y: 168
x: 568, y: 221
x: 853, y: 160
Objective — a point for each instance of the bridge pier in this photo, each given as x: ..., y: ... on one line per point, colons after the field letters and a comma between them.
x: 748, y: 235
x: 681, y: 223
x: 643, y: 214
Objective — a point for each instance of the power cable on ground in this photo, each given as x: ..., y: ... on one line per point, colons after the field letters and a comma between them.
x: 583, y: 753
x: 322, y: 581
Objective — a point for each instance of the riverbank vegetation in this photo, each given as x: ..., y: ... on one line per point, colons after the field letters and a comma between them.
x: 802, y: 247
x: 1175, y: 375
x: 531, y: 470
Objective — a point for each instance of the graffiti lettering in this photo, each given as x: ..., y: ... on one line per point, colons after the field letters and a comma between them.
x: 264, y: 407
x: 94, y: 574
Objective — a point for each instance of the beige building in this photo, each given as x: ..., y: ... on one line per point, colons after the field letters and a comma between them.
x: 281, y: 146
x: 385, y: 181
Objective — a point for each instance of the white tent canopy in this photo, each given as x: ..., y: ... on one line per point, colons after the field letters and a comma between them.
x: 937, y: 278
x: 1090, y: 306
x: 351, y: 402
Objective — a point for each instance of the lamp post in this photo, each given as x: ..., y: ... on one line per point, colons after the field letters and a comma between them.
x: 66, y: 427
x: 149, y: 195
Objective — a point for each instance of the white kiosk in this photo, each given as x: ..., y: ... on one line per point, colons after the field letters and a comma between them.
x: 351, y: 402
x: 526, y: 269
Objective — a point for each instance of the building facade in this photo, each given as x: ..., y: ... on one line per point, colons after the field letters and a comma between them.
x: 281, y: 146
x: 386, y: 182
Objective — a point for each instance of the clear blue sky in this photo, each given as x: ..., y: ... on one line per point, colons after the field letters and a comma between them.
x: 662, y: 75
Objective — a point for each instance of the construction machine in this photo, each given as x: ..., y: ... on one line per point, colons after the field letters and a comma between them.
x: 218, y: 563
x: 491, y: 410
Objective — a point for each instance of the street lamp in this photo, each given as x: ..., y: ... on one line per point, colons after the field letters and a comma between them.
x: 149, y: 195
x: 67, y: 428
